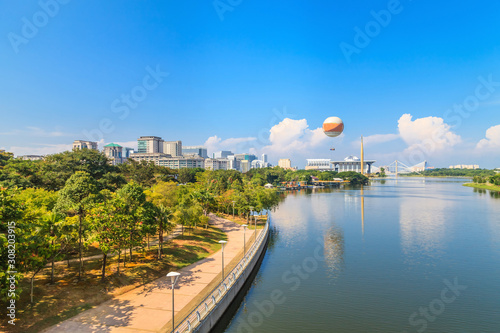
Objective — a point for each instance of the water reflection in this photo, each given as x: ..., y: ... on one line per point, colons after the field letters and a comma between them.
x: 334, y: 250
x: 422, y: 225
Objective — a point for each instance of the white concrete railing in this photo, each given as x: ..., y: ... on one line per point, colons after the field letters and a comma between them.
x: 203, y: 309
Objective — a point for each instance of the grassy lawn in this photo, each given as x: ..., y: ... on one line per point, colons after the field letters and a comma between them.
x: 68, y: 297
x: 484, y: 186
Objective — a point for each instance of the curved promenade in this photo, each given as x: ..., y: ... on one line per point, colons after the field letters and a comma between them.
x: 149, y: 308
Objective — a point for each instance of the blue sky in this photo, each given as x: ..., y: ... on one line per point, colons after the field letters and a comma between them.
x: 262, y: 79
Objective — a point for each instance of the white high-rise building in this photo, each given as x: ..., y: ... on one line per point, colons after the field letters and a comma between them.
x: 149, y: 145
x: 285, y: 163
x: 173, y: 148
x: 264, y: 158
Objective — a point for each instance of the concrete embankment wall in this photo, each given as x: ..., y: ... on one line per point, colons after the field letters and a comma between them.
x: 216, y: 314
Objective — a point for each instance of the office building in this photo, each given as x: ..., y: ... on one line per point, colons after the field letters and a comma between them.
x: 245, y: 157
x: 245, y: 165
x: 128, y: 151
x: 222, y: 154
x: 149, y: 157
x: 173, y: 148
x: 319, y: 164
x: 285, y: 163
x: 233, y: 163
x: 264, y: 158
x: 149, y: 145
x: 114, y: 152
x: 181, y: 162
x: 216, y: 164
x: 82, y: 144
x: 195, y: 150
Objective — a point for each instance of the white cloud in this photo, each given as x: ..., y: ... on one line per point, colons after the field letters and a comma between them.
x: 294, y: 136
x: 492, y: 138
x: 214, y: 144
x: 42, y: 150
x: 428, y: 135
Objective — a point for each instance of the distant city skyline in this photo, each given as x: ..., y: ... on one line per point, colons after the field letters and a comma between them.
x: 420, y: 86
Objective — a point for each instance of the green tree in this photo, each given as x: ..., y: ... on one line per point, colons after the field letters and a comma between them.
x: 76, y: 199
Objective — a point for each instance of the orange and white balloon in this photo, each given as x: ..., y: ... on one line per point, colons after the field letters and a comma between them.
x: 333, y: 126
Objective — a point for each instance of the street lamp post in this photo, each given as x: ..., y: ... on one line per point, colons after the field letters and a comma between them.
x: 223, y: 243
x: 244, y: 240
x: 173, y: 279
x: 233, y: 208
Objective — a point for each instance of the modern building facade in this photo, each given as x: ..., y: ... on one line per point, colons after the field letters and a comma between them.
x: 245, y: 166
x: 216, y: 164
x: 285, y: 163
x: 222, y: 154
x: 149, y: 157
x: 114, y: 152
x: 352, y: 163
x: 195, y: 150
x: 173, y: 148
x: 181, y: 162
x: 82, y: 144
x: 319, y: 164
x: 149, y: 145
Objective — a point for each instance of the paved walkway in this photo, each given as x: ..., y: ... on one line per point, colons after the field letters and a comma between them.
x: 149, y: 308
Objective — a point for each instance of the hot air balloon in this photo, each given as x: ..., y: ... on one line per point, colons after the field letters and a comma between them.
x: 333, y: 126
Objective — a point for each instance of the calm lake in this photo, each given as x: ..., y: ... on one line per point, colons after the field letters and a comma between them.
x: 405, y: 255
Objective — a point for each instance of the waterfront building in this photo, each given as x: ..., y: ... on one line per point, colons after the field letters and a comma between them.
x: 30, y: 157
x: 353, y: 163
x: 195, y: 150
x: 173, y: 148
x: 319, y: 164
x: 82, y: 144
x: 149, y: 145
